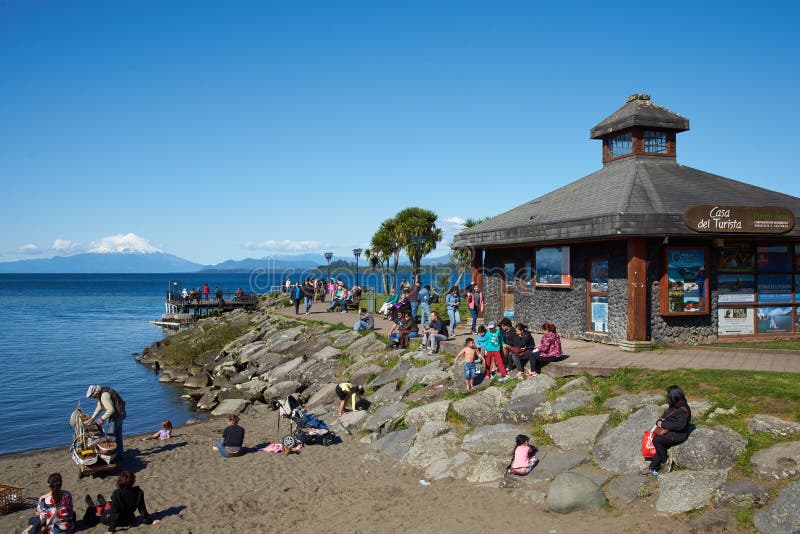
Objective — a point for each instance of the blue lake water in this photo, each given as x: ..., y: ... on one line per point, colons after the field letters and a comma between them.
x: 61, y: 332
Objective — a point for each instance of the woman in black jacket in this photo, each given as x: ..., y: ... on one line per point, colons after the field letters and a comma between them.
x: 675, y: 420
x: 125, y: 501
x: 520, y: 347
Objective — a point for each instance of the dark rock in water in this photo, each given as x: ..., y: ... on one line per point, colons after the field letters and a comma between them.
x: 134, y: 354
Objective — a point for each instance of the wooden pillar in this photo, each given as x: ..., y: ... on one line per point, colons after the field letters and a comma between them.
x: 637, y: 289
x: 476, y: 274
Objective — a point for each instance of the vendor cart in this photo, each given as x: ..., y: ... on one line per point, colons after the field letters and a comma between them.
x: 92, y: 450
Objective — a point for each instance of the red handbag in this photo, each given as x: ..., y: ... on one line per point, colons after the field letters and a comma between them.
x: 648, y: 449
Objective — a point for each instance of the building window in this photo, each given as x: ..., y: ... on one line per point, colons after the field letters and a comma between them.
x: 621, y: 145
x: 552, y: 267
x: 655, y: 142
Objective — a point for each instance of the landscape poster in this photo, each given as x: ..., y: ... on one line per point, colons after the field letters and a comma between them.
x: 774, y: 319
x: 734, y: 321
x: 552, y: 266
x: 737, y: 258
x: 736, y: 288
x: 687, y: 279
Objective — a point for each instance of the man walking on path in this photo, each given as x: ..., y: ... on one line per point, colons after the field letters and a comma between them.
x: 413, y: 298
x: 425, y: 305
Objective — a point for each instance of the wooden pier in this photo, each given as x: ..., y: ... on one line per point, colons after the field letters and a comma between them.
x: 181, y: 310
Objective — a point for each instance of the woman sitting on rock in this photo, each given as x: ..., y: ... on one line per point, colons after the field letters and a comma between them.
x: 548, y: 349
x: 675, y: 421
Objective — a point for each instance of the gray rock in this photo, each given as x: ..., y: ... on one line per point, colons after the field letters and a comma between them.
x: 699, y: 407
x: 632, y: 401
x: 628, y: 488
x: 482, y: 407
x: 682, y: 491
x: 620, y: 450
x: 395, y: 444
x: 741, y: 494
x: 522, y: 409
x: 721, y: 412
x: 200, y: 380
x: 553, y: 462
x: 283, y: 340
x: 343, y: 338
x: 208, y: 401
x: 317, y: 371
x: 365, y: 347
x: 425, y: 375
x: 772, y: 425
x: 492, y: 439
x: 352, y: 421
x: 536, y: 384
x: 717, y: 520
x: 709, y: 448
x: 230, y: 406
x: 783, y: 515
x: 456, y: 466
x: 281, y: 389
x: 487, y: 468
x: 328, y: 353
x: 571, y: 401
x: 268, y: 360
x: 392, y: 375
x: 252, y: 390
x: 281, y: 373
x: 595, y: 474
x: 324, y: 395
x: 424, y: 452
x: 433, y: 429
x: 386, y: 418
x: 580, y: 431
x: 423, y: 356
x: 386, y: 394
x: 362, y: 375
x: 571, y: 492
x: 575, y: 383
x: 243, y: 377
x: 780, y: 461
x: 435, y: 411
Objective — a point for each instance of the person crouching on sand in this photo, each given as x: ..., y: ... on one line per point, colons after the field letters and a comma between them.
x: 232, y: 439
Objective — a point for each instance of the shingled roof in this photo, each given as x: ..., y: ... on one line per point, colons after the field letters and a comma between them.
x: 639, y: 110
x: 634, y: 196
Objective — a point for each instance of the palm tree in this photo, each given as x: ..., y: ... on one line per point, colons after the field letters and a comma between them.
x: 417, y: 234
x: 382, y: 248
x: 462, y: 258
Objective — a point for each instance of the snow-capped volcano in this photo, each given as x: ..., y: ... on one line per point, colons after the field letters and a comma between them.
x: 129, y: 243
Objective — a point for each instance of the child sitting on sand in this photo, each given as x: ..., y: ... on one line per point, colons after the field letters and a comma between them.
x: 470, y: 354
x: 165, y: 432
x: 523, y: 459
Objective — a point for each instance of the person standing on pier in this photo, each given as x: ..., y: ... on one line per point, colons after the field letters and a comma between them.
x: 206, y: 291
x: 110, y: 402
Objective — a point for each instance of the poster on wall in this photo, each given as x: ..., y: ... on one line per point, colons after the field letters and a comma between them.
x: 774, y: 319
x: 734, y: 321
x: 599, y: 314
x: 737, y: 258
x: 774, y: 287
x: 735, y: 288
x: 599, y: 276
x: 686, y: 270
x: 552, y: 267
x: 773, y: 259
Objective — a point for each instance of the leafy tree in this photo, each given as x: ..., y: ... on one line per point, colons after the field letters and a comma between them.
x: 383, y: 247
x: 417, y: 234
x: 462, y: 258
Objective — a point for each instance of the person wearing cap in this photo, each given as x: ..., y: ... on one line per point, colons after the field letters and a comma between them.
x: 113, y: 407
x: 346, y: 391
x: 493, y: 346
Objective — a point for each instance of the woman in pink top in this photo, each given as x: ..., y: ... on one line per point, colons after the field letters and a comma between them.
x: 548, y: 349
x: 523, y: 459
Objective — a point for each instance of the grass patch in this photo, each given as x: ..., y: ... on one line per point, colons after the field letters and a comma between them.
x: 744, y: 520
x: 782, y: 345
x: 345, y: 360
x: 453, y: 417
x: 415, y: 388
x: 188, y: 347
x: 414, y: 404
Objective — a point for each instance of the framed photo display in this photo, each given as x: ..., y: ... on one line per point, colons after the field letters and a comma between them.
x: 552, y: 267
x: 684, y: 288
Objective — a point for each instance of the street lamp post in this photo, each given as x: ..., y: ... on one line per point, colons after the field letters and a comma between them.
x: 356, y: 253
x: 417, y: 242
x: 328, y: 256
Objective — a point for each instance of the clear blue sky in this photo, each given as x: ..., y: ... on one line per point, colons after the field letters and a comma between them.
x: 218, y: 130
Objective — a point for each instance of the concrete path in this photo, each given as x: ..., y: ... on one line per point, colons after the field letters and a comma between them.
x: 600, y: 359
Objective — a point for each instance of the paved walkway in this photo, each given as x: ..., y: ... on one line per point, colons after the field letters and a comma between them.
x: 600, y: 359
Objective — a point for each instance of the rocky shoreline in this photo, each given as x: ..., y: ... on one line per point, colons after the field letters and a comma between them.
x: 421, y: 416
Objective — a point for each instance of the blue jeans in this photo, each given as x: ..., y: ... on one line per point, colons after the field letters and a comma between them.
x: 222, y: 450
x: 474, y: 313
x: 308, y: 302
x: 455, y: 319
x: 361, y: 325
x: 414, y: 307
x: 115, y: 427
x: 426, y: 313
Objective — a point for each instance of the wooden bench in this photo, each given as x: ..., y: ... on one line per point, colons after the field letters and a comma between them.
x: 356, y: 302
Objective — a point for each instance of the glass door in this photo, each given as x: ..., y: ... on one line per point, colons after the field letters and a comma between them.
x: 597, y: 296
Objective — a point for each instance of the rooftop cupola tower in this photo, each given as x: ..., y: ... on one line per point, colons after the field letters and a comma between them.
x: 639, y: 128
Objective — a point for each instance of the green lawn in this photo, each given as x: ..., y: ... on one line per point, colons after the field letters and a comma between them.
x: 785, y: 345
x: 438, y: 307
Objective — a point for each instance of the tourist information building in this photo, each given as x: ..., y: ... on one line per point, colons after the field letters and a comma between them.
x: 645, y: 249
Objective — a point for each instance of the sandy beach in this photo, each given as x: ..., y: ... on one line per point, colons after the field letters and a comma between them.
x: 344, y: 487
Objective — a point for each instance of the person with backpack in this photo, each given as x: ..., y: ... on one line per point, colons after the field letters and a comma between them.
x: 112, y: 407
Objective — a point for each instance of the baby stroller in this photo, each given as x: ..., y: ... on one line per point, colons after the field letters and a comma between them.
x: 303, y: 428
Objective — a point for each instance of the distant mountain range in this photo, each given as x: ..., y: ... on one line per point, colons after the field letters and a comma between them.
x: 162, y: 262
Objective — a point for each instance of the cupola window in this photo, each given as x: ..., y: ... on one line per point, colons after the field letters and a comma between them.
x: 621, y: 145
x: 655, y: 142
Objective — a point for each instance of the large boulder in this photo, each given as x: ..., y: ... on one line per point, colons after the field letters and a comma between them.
x: 780, y: 461
x: 352, y: 421
x: 434, y: 429
x: 580, y: 431
x: 487, y: 468
x: 252, y: 390
x: 572, y: 400
x: 709, y: 448
x: 783, y: 515
x: 208, y: 401
x: 481, y: 408
x: 682, y: 491
x: 492, y: 439
x: 363, y: 374
x: 281, y: 389
x: 631, y: 401
x: 386, y: 418
x: 571, y: 492
x: 395, y: 444
x: 522, y: 409
x: 282, y: 372
x: 536, y: 384
x: 386, y: 394
x: 425, y: 451
x: 230, y: 407
x: 426, y: 375
x: 317, y: 371
x: 772, y: 425
x: 741, y: 494
x: 324, y: 395
x: 365, y: 347
x: 456, y: 466
x: 575, y: 383
x: 342, y: 338
x: 283, y: 340
x: 627, y: 488
x: 326, y: 353
x: 553, y: 462
x: 435, y: 411
x: 200, y: 380
x: 392, y: 375
x: 620, y: 450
